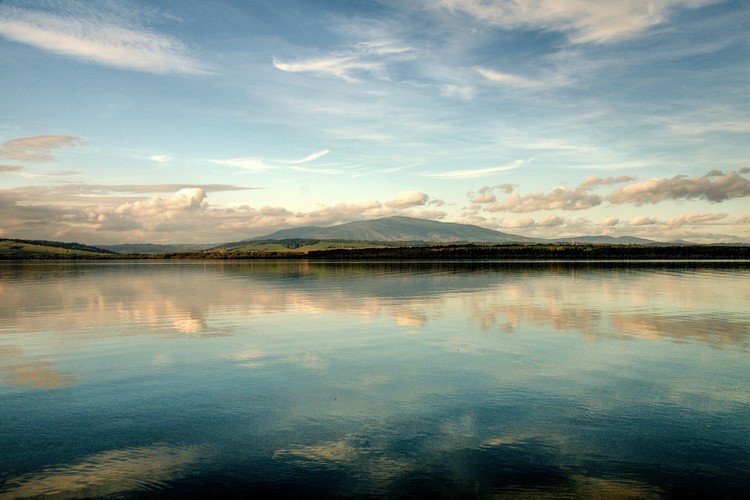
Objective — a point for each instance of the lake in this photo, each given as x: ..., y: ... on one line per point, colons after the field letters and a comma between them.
x: 277, y: 378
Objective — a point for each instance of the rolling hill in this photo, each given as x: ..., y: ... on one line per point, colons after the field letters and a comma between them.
x: 397, y: 229
x: 16, y: 248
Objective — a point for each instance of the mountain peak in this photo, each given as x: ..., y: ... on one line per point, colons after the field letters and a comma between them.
x: 398, y: 228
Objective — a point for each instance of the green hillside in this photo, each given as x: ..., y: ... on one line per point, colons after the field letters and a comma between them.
x: 38, y: 249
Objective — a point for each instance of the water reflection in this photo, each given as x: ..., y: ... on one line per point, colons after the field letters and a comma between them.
x: 391, y: 379
x: 108, y: 474
x: 192, y: 299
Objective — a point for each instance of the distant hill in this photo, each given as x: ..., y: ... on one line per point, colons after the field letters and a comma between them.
x: 394, y: 229
x: 16, y: 248
x: 606, y: 240
x: 153, y: 249
x: 617, y: 240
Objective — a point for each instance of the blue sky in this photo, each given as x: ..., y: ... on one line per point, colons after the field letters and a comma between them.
x: 194, y: 121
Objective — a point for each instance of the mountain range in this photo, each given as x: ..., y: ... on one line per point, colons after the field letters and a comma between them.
x: 387, y: 231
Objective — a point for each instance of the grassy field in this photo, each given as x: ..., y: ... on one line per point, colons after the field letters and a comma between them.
x: 20, y: 249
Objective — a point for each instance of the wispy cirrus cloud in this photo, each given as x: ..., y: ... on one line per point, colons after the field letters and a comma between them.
x: 352, y: 62
x: 479, y: 172
x: 546, y: 81
x: 161, y: 158
x: 346, y: 67
x: 581, y: 21
x: 510, y: 79
x: 262, y: 165
x: 36, y: 148
x: 99, y: 37
x: 252, y: 164
x: 309, y: 158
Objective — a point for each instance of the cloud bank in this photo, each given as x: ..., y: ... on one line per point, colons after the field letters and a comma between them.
x: 715, y: 187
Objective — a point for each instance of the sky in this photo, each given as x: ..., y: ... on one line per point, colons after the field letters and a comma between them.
x: 130, y: 121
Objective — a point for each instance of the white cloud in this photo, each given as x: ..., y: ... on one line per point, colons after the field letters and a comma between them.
x: 408, y: 199
x: 594, y: 181
x: 694, y: 219
x: 312, y: 157
x: 642, y: 220
x: 465, y: 174
x: 151, y: 212
x: 508, y: 79
x: 100, y: 38
x: 36, y: 148
x: 583, y: 21
x: 560, y: 198
x: 345, y: 67
x: 714, y: 187
x: 526, y: 222
x: 161, y: 158
x: 251, y: 164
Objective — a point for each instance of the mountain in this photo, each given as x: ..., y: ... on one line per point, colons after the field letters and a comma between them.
x: 405, y: 229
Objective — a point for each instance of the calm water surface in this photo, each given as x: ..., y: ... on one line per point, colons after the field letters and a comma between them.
x: 180, y: 379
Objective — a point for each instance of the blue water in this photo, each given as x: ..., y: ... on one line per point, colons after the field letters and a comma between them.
x: 189, y: 378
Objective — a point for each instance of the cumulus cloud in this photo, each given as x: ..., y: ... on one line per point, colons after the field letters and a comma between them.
x: 551, y: 221
x: 694, y: 219
x: 483, y: 197
x: 714, y: 187
x: 520, y: 223
x: 36, y: 148
x: 485, y: 194
x: 560, y: 198
x: 408, y: 199
x: 100, y: 37
x: 642, y: 221
x: 593, y: 181
x: 529, y: 222
x: 581, y: 21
